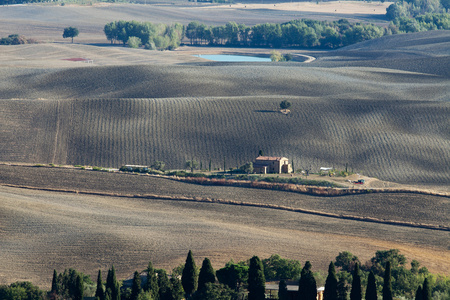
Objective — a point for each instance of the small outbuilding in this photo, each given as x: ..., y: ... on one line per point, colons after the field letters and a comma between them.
x: 272, y: 165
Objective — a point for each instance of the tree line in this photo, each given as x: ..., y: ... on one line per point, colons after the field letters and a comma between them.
x: 384, y: 276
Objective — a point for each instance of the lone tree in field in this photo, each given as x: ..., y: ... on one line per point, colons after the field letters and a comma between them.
x: 285, y: 104
x: 189, y: 278
x: 356, y: 293
x: 256, y: 280
x: 330, y: 292
x: 307, y: 287
x: 207, y: 274
x: 387, y: 286
x: 70, y: 32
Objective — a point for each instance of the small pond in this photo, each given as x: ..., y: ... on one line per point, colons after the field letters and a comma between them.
x: 234, y: 58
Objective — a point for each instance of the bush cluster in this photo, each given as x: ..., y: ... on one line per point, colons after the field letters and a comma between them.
x: 15, y: 39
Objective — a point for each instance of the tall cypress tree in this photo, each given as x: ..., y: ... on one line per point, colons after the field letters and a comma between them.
x: 419, y: 293
x: 206, y: 275
x: 100, y: 293
x: 387, y: 286
x: 54, y: 282
x: 330, y: 292
x: 426, y: 291
x: 371, y: 291
x: 307, y: 288
x: 256, y: 280
x: 282, y: 290
x: 189, y: 278
x: 79, y: 289
x: 356, y: 292
x: 112, y: 286
x: 152, y: 282
x: 136, y: 286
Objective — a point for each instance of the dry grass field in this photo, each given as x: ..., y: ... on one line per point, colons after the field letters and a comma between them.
x: 381, y: 106
x: 42, y: 230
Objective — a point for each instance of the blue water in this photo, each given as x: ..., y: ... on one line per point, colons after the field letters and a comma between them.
x: 234, y: 58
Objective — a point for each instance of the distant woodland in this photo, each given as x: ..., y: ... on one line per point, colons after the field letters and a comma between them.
x: 385, y: 276
x: 405, y: 17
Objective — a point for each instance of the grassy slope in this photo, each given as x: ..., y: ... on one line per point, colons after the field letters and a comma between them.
x: 92, y: 232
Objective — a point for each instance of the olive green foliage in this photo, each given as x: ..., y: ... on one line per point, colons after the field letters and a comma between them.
x: 297, y: 33
x: 233, y: 275
x: 134, y: 42
x: 285, y: 104
x: 15, y: 39
x: 159, y: 36
x: 247, y: 168
x: 418, y: 15
x: 191, y: 164
x: 256, y: 280
x: 70, y: 32
x: 212, y: 291
x: 189, y: 279
x: 277, y: 268
x: 21, y: 291
x: 346, y: 261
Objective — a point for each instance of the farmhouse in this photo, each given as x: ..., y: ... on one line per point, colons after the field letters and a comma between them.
x: 272, y: 164
x: 272, y: 291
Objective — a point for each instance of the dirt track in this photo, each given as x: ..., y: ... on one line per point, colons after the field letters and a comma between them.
x: 45, y: 230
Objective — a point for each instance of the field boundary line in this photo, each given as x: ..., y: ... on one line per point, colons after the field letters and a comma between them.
x: 241, y: 203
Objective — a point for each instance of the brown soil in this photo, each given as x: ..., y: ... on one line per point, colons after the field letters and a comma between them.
x: 45, y: 230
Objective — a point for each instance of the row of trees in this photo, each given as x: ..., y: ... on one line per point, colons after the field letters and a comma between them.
x: 297, y: 33
x: 384, y: 276
x: 152, y: 36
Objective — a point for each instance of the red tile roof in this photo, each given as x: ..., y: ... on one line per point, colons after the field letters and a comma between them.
x: 277, y: 158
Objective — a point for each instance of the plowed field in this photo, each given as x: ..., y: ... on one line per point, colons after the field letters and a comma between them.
x: 42, y: 230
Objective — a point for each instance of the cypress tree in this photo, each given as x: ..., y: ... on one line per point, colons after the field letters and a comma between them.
x: 112, y: 286
x: 206, y: 275
x: 54, y: 282
x: 356, y: 293
x: 342, y: 289
x: 282, y: 290
x: 79, y: 289
x: 307, y: 289
x: 136, y: 286
x: 419, y: 293
x: 256, y: 280
x: 330, y: 292
x: 371, y: 291
x: 152, y: 282
x: 426, y: 291
x: 164, y: 290
x: 100, y: 293
x: 189, y: 278
x: 387, y: 286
